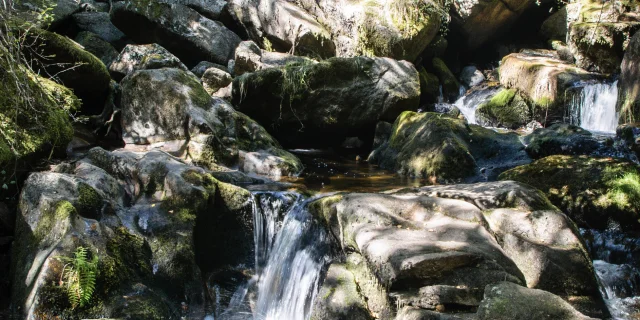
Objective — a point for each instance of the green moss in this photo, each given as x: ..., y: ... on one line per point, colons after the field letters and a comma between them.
x: 89, y: 201
x: 450, y: 84
x: 128, y: 258
x: 505, y: 109
x: 51, y: 220
x: 198, y: 95
x: 324, y: 208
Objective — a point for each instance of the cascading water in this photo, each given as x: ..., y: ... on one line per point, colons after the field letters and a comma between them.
x: 290, y: 257
x: 593, y: 107
x: 468, y: 104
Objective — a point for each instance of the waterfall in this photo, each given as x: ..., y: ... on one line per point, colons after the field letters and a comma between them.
x: 594, y: 107
x: 291, y: 252
x: 469, y: 103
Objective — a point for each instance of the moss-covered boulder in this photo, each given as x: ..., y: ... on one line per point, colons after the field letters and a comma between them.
x: 98, y: 47
x: 89, y: 78
x: 506, y: 109
x: 450, y: 85
x: 560, y: 139
x: 443, y: 149
x: 594, y: 192
x: 306, y: 104
x: 34, y: 112
x: 599, y: 46
x: 143, y: 57
x: 505, y: 300
x: 180, y: 29
x: 629, y: 83
x: 542, y: 81
x: 171, y: 107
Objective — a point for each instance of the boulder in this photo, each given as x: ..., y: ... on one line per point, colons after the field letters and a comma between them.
x: 628, y: 136
x: 339, y: 298
x: 89, y: 79
x: 595, y: 192
x: 555, y: 26
x: 180, y: 29
x: 471, y: 76
x: 436, y: 248
x: 249, y: 58
x: 560, y: 139
x: 450, y: 85
x: 310, y: 103
x: 542, y: 81
x: 446, y: 149
x: 141, y: 217
x: 143, y: 57
x: 506, y: 109
x: 201, y: 67
x: 629, y: 83
x: 400, y: 30
x: 212, y: 9
x: 98, y: 47
x: 429, y: 87
x: 169, y: 108
x: 215, y: 79
x: 506, y: 300
x: 100, y: 24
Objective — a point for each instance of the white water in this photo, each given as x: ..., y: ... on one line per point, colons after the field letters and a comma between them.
x: 594, y: 108
x: 468, y: 104
x: 290, y: 256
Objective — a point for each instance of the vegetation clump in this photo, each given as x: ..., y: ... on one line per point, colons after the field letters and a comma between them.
x: 79, y: 276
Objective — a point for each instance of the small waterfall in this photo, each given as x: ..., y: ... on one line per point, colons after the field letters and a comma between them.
x: 593, y: 107
x: 291, y: 252
x: 468, y: 104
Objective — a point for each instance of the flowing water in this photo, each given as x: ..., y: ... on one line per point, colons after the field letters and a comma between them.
x: 291, y: 252
x: 593, y: 106
x: 469, y: 103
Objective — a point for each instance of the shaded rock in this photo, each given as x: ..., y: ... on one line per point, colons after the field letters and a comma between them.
x: 215, y: 79
x: 170, y: 107
x: 620, y: 280
x: 322, y: 103
x: 542, y: 81
x: 338, y: 297
x: 450, y: 85
x: 143, y: 57
x: 383, y: 132
x: 446, y: 149
x: 212, y: 9
x: 594, y: 192
x: 249, y: 58
x: 89, y: 79
x: 598, y: 47
x: 629, y: 136
x: 201, y: 67
x: 505, y: 109
x: 98, y: 47
x: 413, y: 313
x: 181, y: 30
x: 471, y: 76
x: 440, y: 297
x: 429, y: 87
x: 100, y: 24
x: 560, y: 139
x: 511, y: 301
x: 629, y: 83
x: 555, y: 27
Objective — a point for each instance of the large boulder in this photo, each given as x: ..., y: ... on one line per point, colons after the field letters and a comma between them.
x: 180, y: 29
x: 56, y: 54
x: 595, y: 192
x: 542, y: 80
x: 505, y: 301
x: 100, y: 24
x: 323, y: 103
x: 170, y: 108
x: 445, y: 149
x: 560, y: 138
x: 249, y: 58
x: 98, y: 47
x: 505, y: 109
x: 629, y: 83
x: 436, y: 248
x: 144, y: 219
x: 400, y: 30
x: 142, y: 57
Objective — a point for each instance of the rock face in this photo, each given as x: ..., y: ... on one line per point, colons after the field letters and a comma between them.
x: 629, y: 84
x: 434, y: 248
x: 170, y: 107
x: 506, y: 300
x: 143, y: 216
x: 314, y: 103
x: 444, y: 149
x: 399, y: 30
x: 143, y: 57
x: 594, y: 192
x: 181, y: 30
x: 560, y: 139
x: 542, y: 80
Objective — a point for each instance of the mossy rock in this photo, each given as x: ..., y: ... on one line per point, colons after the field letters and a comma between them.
x: 560, y: 138
x: 599, y: 46
x: 506, y: 109
x: 450, y: 85
x: 98, y: 47
x: 629, y: 86
x: 429, y: 87
x: 595, y: 192
x: 56, y: 54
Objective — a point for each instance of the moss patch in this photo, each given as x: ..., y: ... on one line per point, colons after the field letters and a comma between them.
x: 506, y: 109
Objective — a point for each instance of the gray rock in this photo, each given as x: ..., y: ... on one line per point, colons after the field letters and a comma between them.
x: 383, y: 132
x: 471, y: 76
x: 250, y: 58
x: 100, y: 24
x: 143, y: 57
x: 215, y: 79
x: 511, y: 301
x: 560, y: 139
x: 629, y: 86
x: 339, y: 298
x: 181, y: 30
x: 212, y: 9
x: 201, y: 67
x: 98, y: 47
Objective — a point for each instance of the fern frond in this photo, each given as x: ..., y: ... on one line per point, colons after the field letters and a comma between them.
x: 79, y: 277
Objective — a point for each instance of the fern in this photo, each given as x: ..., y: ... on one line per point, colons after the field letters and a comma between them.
x: 79, y: 277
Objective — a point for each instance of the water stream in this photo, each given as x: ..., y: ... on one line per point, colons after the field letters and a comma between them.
x: 593, y: 106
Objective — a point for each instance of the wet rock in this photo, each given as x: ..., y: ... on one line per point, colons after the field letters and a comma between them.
x: 339, y: 297
x: 352, y: 143
x: 560, y: 139
x: 629, y: 85
x: 329, y: 100
x: 506, y: 109
x: 383, y: 132
x: 471, y: 76
x: 100, y: 24
x: 595, y: 192
x: 450, y: 85
x: 143, y: 57
x: 180, y: 29
x: 629, y: 136
x: 542, y: 81
x: 619, y: 281
x: 98, y: 47
x: 511, y: 301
